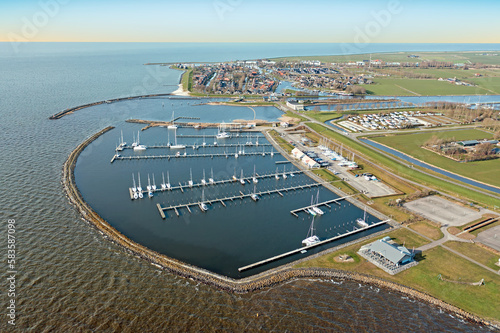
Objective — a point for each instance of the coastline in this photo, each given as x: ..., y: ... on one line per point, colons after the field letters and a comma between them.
x: 260, y: 281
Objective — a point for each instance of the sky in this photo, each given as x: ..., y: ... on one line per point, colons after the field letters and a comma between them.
x: 315, y: 21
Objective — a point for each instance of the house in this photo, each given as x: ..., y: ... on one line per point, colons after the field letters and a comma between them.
x: 391, y: 257
x: 297, y: 153
x: 295, y: 105
x: 309, y: 162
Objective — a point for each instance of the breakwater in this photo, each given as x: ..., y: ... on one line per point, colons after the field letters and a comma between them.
x: 63, y: 113
x: 253, y: 283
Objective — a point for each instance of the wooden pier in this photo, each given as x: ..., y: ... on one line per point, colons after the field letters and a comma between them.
x: 266, y: 261
x: 240, y: 196
x: 229, y: 145
x: 226, y: 155
x: 217, y: 182
x: 324, y: 203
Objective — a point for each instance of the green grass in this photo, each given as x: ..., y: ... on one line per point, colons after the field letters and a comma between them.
x: 410, y: 173
x: 484, y: 171
x: 427, y: 229
x: 407, y: 238
x: 455, y: 57
x: 475, y: 252
x: 295, y: 115
x: 323, y: 116
x: 414, y: 87
x: 480, y: 300
x: 281, y: 142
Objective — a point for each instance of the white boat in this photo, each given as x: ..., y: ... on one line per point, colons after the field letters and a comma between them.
x: 272, y: 152
x: 172, y: 126
x: 277, y: 176
x: 311, y: 237
x: 134, y: 144
x: 255, y: 197
x: 122, y: 143
x: 311, y: 211
x: 138, y: 146
x: 242, y: 180
x: 136, y: 196
x: 140, y: 195
x: 134, y: 188
x: 254, y: 178
x: 150, y: 194
x: 139, y: 188
x: 257, y: 141
x: 190, y: 182
x: 175, y: 145
x: 236, y: 154
x: 362, y: 221
x: 316, y: 208
x: 211, y: 179
x: 203, y: 205
x: 222, y: 134
x: 153, y: 187
x: 149, y: 183
x: 234, y: 175
x: 169, y: 187
x: 203, y: 181
x: 163, y: 184
x: 204, y: 143
x: 284, y: 173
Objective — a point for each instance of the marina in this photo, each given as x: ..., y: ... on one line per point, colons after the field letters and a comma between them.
x: 241, y: 196
x: 266, y: 261
x: 324, y: 203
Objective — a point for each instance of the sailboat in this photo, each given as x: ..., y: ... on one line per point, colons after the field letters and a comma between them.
x: 236, y: 154
x: 222, y: 134
x: 190, y: 182
x: 203, y: 205
x: 150, y: 189
x: 362, y: 221
x: 138, y: 146
x: 211, y: 179
x: 175, y: 145
x: 242, y: 180
x: 277, y: 176
x: 169, y: 187
x: 255, y: 196
x: 315, y: 207
x: 203, y: 181
x: 254, y: 178
x: 139, y: 188
x: 172, y: 126
x: 311, y: 237
x: 234, y: 175
x: 204, y: 143
x: 310, y: 210
x: 122, y: 143
x: 163, y: 185
x: 134, y: 188
x: 284, y: 173
x: 153, y: 187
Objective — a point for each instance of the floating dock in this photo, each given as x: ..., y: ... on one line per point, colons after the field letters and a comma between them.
x: 229, y: 145
x: 240, y: 196
x: 217, y: 182
x: 226, y: 155
x: 324, y: 203
x: 266, y: 261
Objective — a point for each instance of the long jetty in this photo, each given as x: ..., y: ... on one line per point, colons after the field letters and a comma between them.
x: 324, y: 203
x: 228, y: 145
x: 226, y: 155
x: 248, y: 180
x: 286, y: 254
x: 241, y: 196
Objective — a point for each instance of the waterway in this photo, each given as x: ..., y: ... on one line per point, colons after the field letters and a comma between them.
x: 430, y: 167
x: 70, y: 278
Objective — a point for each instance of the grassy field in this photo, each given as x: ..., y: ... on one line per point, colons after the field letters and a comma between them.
x: 323, y: 116
x: 417, y: 87
x: 455, y: 57
x: 403, y: 170
x: 427, y: 229
x: 281, y: 142
x: 484, y: 171
x: 480, y: 300
x: 475, y: 252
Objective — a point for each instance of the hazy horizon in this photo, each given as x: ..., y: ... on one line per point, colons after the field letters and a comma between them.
x: 230, y: 21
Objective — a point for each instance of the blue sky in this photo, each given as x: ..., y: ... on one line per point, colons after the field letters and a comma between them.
x: 391, y: 21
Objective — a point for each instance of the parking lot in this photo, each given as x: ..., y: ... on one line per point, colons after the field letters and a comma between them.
x: 339, y: 164
x: 490, y: 237
x: 442, y: 211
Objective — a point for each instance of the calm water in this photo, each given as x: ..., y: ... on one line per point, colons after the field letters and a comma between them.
x: 71, y: 279
x: 224, y: 238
